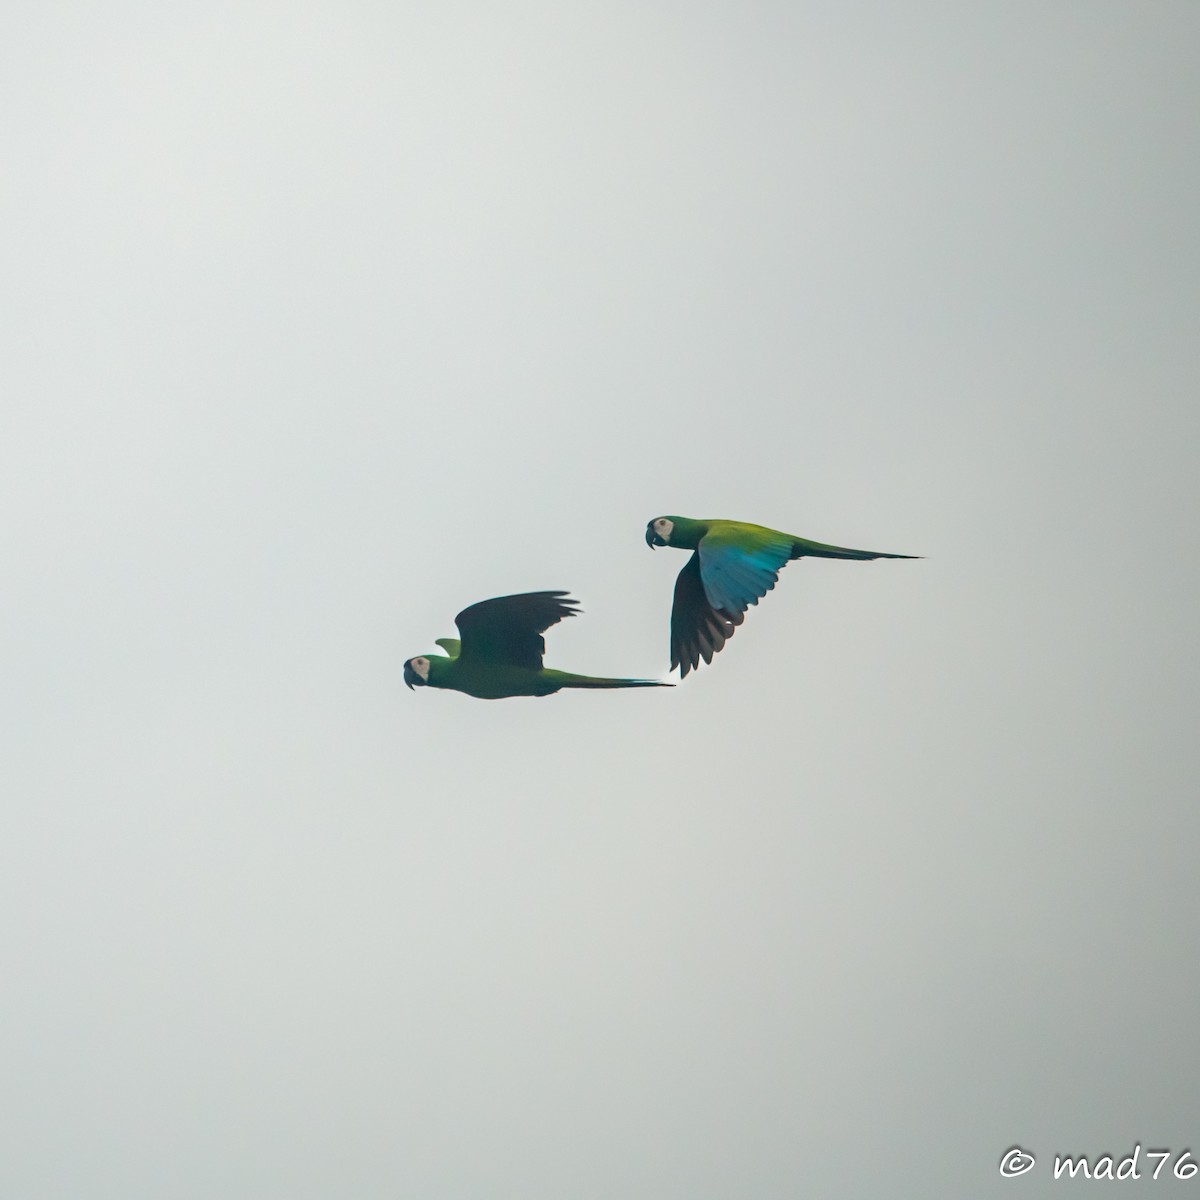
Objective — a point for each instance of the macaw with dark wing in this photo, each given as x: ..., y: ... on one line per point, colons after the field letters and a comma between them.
x: 733, y: 566
x: 500, y: 648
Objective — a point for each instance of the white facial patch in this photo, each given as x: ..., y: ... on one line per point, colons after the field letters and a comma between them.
x: 421, y: 667
x: 663, y: 528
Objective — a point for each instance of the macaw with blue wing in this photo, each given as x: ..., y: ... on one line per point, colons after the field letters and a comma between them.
x: 500, y: 649
x: 734, y: 565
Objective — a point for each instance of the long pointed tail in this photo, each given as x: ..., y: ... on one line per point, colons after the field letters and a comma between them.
x: 801, y: 548
x: 566, y: 679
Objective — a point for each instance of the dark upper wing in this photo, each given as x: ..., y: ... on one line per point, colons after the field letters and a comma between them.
x: 697, y: 629
x: 507, y: 631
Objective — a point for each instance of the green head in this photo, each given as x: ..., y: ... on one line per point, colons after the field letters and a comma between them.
x: 424, y: 670
x: 674, y: 531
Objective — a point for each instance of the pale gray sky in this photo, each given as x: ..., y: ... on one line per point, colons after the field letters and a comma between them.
x: 324, y: 321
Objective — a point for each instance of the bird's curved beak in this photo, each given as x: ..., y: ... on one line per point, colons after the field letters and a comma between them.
x: 652, y: 538
x: 411, y: 678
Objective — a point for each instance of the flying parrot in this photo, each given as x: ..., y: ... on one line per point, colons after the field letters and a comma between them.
x: 499, y: 651
x: 733, y: 565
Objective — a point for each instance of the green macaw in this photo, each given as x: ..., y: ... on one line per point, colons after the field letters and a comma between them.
x: 733, y: 566
x: 501, y: 649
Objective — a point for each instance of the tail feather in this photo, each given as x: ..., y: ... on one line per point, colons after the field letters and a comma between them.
x: 591, y: 681
x: 806, y: 549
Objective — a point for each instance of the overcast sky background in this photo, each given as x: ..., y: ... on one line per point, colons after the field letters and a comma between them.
x: 321, y: 322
